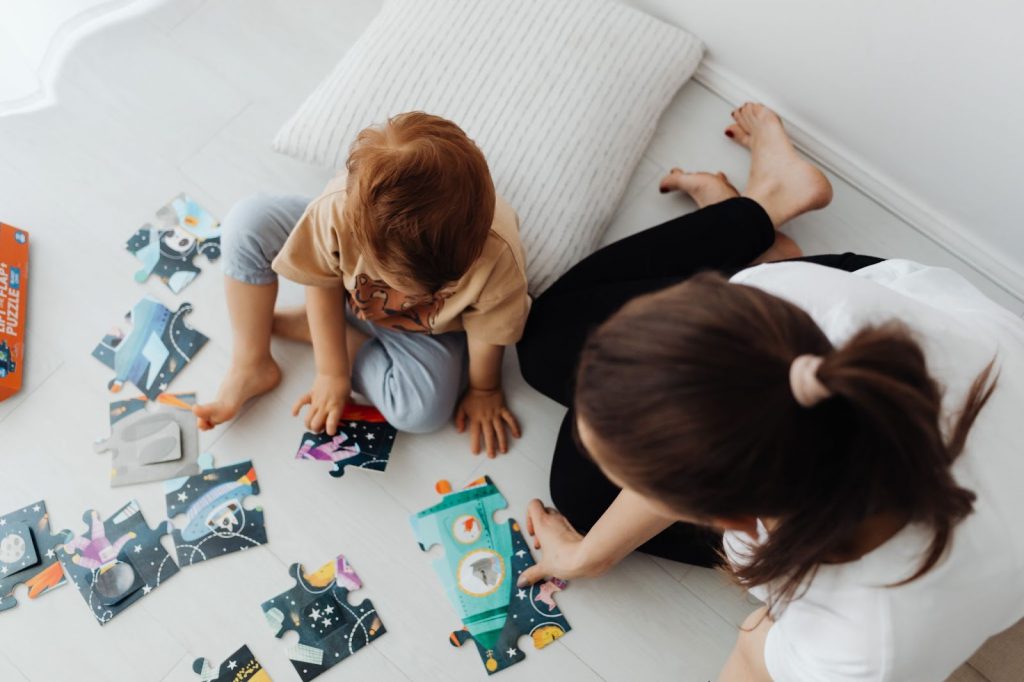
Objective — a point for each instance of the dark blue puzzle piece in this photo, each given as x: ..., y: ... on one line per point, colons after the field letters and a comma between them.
x: 364, y: 440
x: 28, y: 554
x: 240, y: 666
x: 185, y: 230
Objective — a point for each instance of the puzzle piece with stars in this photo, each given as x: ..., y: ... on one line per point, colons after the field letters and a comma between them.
x: 28, y: 554
x: 168, y: 250
x: 158, y: 345
x: 481, y: 564
x: 216, y: 522
x: 116, y: 562
x: 329, y: 628
x: 240, y: 666
x: 364, y: 440
x: 151, y: 444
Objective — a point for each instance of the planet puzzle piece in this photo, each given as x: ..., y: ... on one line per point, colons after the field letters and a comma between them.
x: 481, y: 564
x: 28, y: 554
x: 168, y: 250
x: 364, y: 440
x: 240, y: 666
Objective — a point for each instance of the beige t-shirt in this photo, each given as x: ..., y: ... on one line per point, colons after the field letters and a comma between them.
x: 489, y: 302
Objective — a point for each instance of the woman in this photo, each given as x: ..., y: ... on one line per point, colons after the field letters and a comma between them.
x: 845, y: 431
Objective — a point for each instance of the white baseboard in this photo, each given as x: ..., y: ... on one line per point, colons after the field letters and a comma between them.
x: 883, y: 190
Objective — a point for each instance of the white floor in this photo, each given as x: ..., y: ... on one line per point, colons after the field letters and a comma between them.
x: 186, y: 99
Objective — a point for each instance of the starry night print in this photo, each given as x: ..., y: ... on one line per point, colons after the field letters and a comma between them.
x: 240, y: 666
x: 364, y: 440
x: 28, y: 554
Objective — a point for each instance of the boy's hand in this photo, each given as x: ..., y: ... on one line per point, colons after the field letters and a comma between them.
x: 326, y: 402
x: 487, y: 418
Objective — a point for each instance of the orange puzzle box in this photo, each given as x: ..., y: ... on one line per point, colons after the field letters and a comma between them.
x: 13, y: 289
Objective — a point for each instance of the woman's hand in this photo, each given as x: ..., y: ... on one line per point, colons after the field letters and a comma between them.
x: 487, y: 417
x: 326, y: 402
x: 563, y: 552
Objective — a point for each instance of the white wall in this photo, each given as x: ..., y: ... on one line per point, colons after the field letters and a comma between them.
x: 925, y: 95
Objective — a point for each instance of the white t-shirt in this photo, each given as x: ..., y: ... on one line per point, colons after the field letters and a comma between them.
x: 848, y: 625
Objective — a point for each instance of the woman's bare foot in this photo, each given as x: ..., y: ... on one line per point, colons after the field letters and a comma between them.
x: 784, y: 248
x: 704, y: 188
x: 292, y: 323
x: 782, y: 181
x: 241, y: 383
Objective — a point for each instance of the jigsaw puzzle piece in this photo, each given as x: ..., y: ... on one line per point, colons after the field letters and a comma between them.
x: 153, y: 352
x: 185, y: 231
x: 240, y: 666
x: 152, y: 445
x: 116, y: 562
x: 481, y: 564
x: 317, y: 608
x: 216, y: 522
x: 364, y: 440
x: 28, y: 554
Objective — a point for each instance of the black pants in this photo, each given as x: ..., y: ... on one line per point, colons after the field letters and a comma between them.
x: 723, y: 237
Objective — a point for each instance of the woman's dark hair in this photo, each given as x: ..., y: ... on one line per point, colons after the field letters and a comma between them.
x: 688, y: 391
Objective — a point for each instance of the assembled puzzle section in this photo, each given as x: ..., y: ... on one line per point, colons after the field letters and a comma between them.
x: 329, y: 628
x: 183, y: 231
x: 28, y: 554
x: 482, y: 562
x: 151, y: 440
x: 156, y: 348
x: 216, y: 523
x: 116, y: 562
x: 240, y: 666
x: 13, y: 306
x: 364, y: 440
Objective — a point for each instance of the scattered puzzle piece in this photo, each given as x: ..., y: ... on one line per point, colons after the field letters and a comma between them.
x: 185, y: 229
x: 116, y: 562
x: 28, y: 554
x: 481, y: 563
x: 151, y: 445
x: 364, y: 440
x: 317, y: 608
x: 154, y: 351
x: 240, y: 666
x: 217, y: 523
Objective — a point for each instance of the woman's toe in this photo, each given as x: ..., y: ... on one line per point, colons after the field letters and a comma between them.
x: 737, y: 134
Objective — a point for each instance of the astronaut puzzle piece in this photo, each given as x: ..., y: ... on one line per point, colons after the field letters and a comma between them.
x: 481, y: 564
x: 216, y: 522
x: 151, y: 444
x: 364, y: 440
x: 116, y: 562
x: 240, y: 666
x: 157, y: 347
x: 168, y: 250
x: 329, y: 628
x: 28, y: 554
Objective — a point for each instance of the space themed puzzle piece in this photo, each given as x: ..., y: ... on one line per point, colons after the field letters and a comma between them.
x: 364, y: 440
x: 116, y: 562
x: 329, y: 628
x: 151, y: 444
x: 157, y: 346
x: 28, y: 554
x: 216, y: 522
x: 481, y: 564
x: 240, y: 666
x: 168, y: 250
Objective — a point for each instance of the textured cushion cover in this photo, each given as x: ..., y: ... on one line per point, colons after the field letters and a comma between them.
x: 561, y: 95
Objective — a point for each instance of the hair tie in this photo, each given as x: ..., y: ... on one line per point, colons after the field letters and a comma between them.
x: 803, y: 380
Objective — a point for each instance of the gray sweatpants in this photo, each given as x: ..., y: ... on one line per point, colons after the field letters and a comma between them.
x: 414, y: 379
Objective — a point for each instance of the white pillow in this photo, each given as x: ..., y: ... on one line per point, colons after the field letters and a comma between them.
x: 561, y: 95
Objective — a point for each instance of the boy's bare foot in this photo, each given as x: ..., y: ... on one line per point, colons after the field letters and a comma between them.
x: 241, y: 383
x: 782, y: 181
x: 292, y: 323
x: 704, y: 188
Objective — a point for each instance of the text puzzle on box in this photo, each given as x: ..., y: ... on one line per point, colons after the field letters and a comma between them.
x: 13, y: 304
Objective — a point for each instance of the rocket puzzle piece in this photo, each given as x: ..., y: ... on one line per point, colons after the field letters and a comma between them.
x: 481, y: 564
x: 151, y: 445
x: 184, y: 230
x: 217, y: 523
x: 241, y: 666
x: 157, y: 347
x: 329, y: 628
x: 28, y: 554
x: 116, y: 562
x: 364, y: 440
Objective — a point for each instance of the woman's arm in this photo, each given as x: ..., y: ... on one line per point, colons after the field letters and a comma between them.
x: 628, y: 523
x: 325, y: 309
x: 746, y: 663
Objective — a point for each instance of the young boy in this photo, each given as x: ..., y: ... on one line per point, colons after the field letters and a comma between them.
x: 411, y: 263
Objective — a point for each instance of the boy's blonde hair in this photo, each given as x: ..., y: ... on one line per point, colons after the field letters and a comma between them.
x: 420, y: 198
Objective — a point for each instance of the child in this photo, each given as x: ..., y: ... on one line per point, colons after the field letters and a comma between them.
x: 411, y: 263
